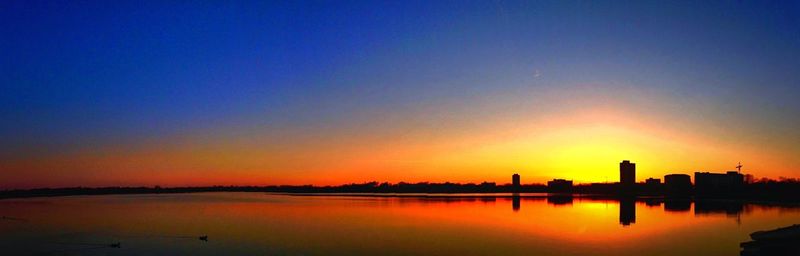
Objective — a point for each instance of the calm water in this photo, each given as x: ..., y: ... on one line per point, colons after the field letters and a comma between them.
x: 257, y: 224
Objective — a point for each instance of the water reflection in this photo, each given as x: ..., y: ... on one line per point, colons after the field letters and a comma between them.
x: 677, y: 204
x: 627, y: 211
x: 402, y: 224
x: 515, y: 204
x: 559, y: 199
x: 730, y: 208
x: 652, y: 202
x: 627, y: 205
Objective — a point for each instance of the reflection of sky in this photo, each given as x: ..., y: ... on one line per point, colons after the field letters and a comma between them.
x: 254, y: 223
x: 173, y: 94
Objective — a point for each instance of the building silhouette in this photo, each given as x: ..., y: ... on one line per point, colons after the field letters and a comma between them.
x: 677, y: 184
x: 515, y: 181
x: 559, y: 185
x: 627, y: 173
x: 713, y: 183
x: 652, y: 186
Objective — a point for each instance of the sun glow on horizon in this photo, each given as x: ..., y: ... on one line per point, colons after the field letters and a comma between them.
x: 576, y: 141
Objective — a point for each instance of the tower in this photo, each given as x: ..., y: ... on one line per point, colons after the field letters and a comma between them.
x: 515, y: 180
x: 627, y: 173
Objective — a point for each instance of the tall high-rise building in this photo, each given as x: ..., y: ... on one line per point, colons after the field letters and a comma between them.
x: 515, y: 180
x: 627, y: 173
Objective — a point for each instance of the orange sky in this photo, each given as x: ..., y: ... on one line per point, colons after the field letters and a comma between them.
x: 579, y: 134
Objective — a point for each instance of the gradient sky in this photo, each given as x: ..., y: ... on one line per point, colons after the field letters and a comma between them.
x: 166, y: 93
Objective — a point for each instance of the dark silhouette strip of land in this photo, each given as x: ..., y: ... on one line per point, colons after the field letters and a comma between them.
x: 780, y: 241
x: 787, y: 190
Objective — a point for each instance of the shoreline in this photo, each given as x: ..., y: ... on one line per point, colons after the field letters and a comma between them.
x: 428, y: 195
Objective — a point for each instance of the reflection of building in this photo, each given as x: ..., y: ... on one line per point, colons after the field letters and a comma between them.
x: 705, y: 182
x: 729, y: 208
x: 559, y: 185
x: 515, y: 180
x: 627, y: 173
x: 515, y: 204
x: 677, y: 204
x: 652, y: 202
x: 627, y: 211
x: 678, y: 184
x: 559, y: 199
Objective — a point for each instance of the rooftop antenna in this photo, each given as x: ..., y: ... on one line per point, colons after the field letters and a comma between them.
x: 739, y: 167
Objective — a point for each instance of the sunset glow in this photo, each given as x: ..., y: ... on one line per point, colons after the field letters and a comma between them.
x: 256, y: 96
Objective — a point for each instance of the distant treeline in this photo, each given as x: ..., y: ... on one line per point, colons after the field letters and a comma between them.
x: 762, y: 189
x: 367, y: 187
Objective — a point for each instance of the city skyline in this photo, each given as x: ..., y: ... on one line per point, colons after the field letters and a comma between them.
x: 729, y: 185
x: 627, y: 177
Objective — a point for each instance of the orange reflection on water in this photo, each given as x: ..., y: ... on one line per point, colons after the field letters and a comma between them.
x: 256, y: 223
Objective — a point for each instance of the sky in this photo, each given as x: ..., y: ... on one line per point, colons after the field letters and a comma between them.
x: 173, y: 93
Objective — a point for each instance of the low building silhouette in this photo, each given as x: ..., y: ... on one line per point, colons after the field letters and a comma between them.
x: 652, y: 186
x: 677, y: 184
x: 718, y: 183
x: 559, y: 185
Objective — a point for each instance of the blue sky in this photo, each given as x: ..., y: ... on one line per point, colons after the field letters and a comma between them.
x: 94, y: 73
